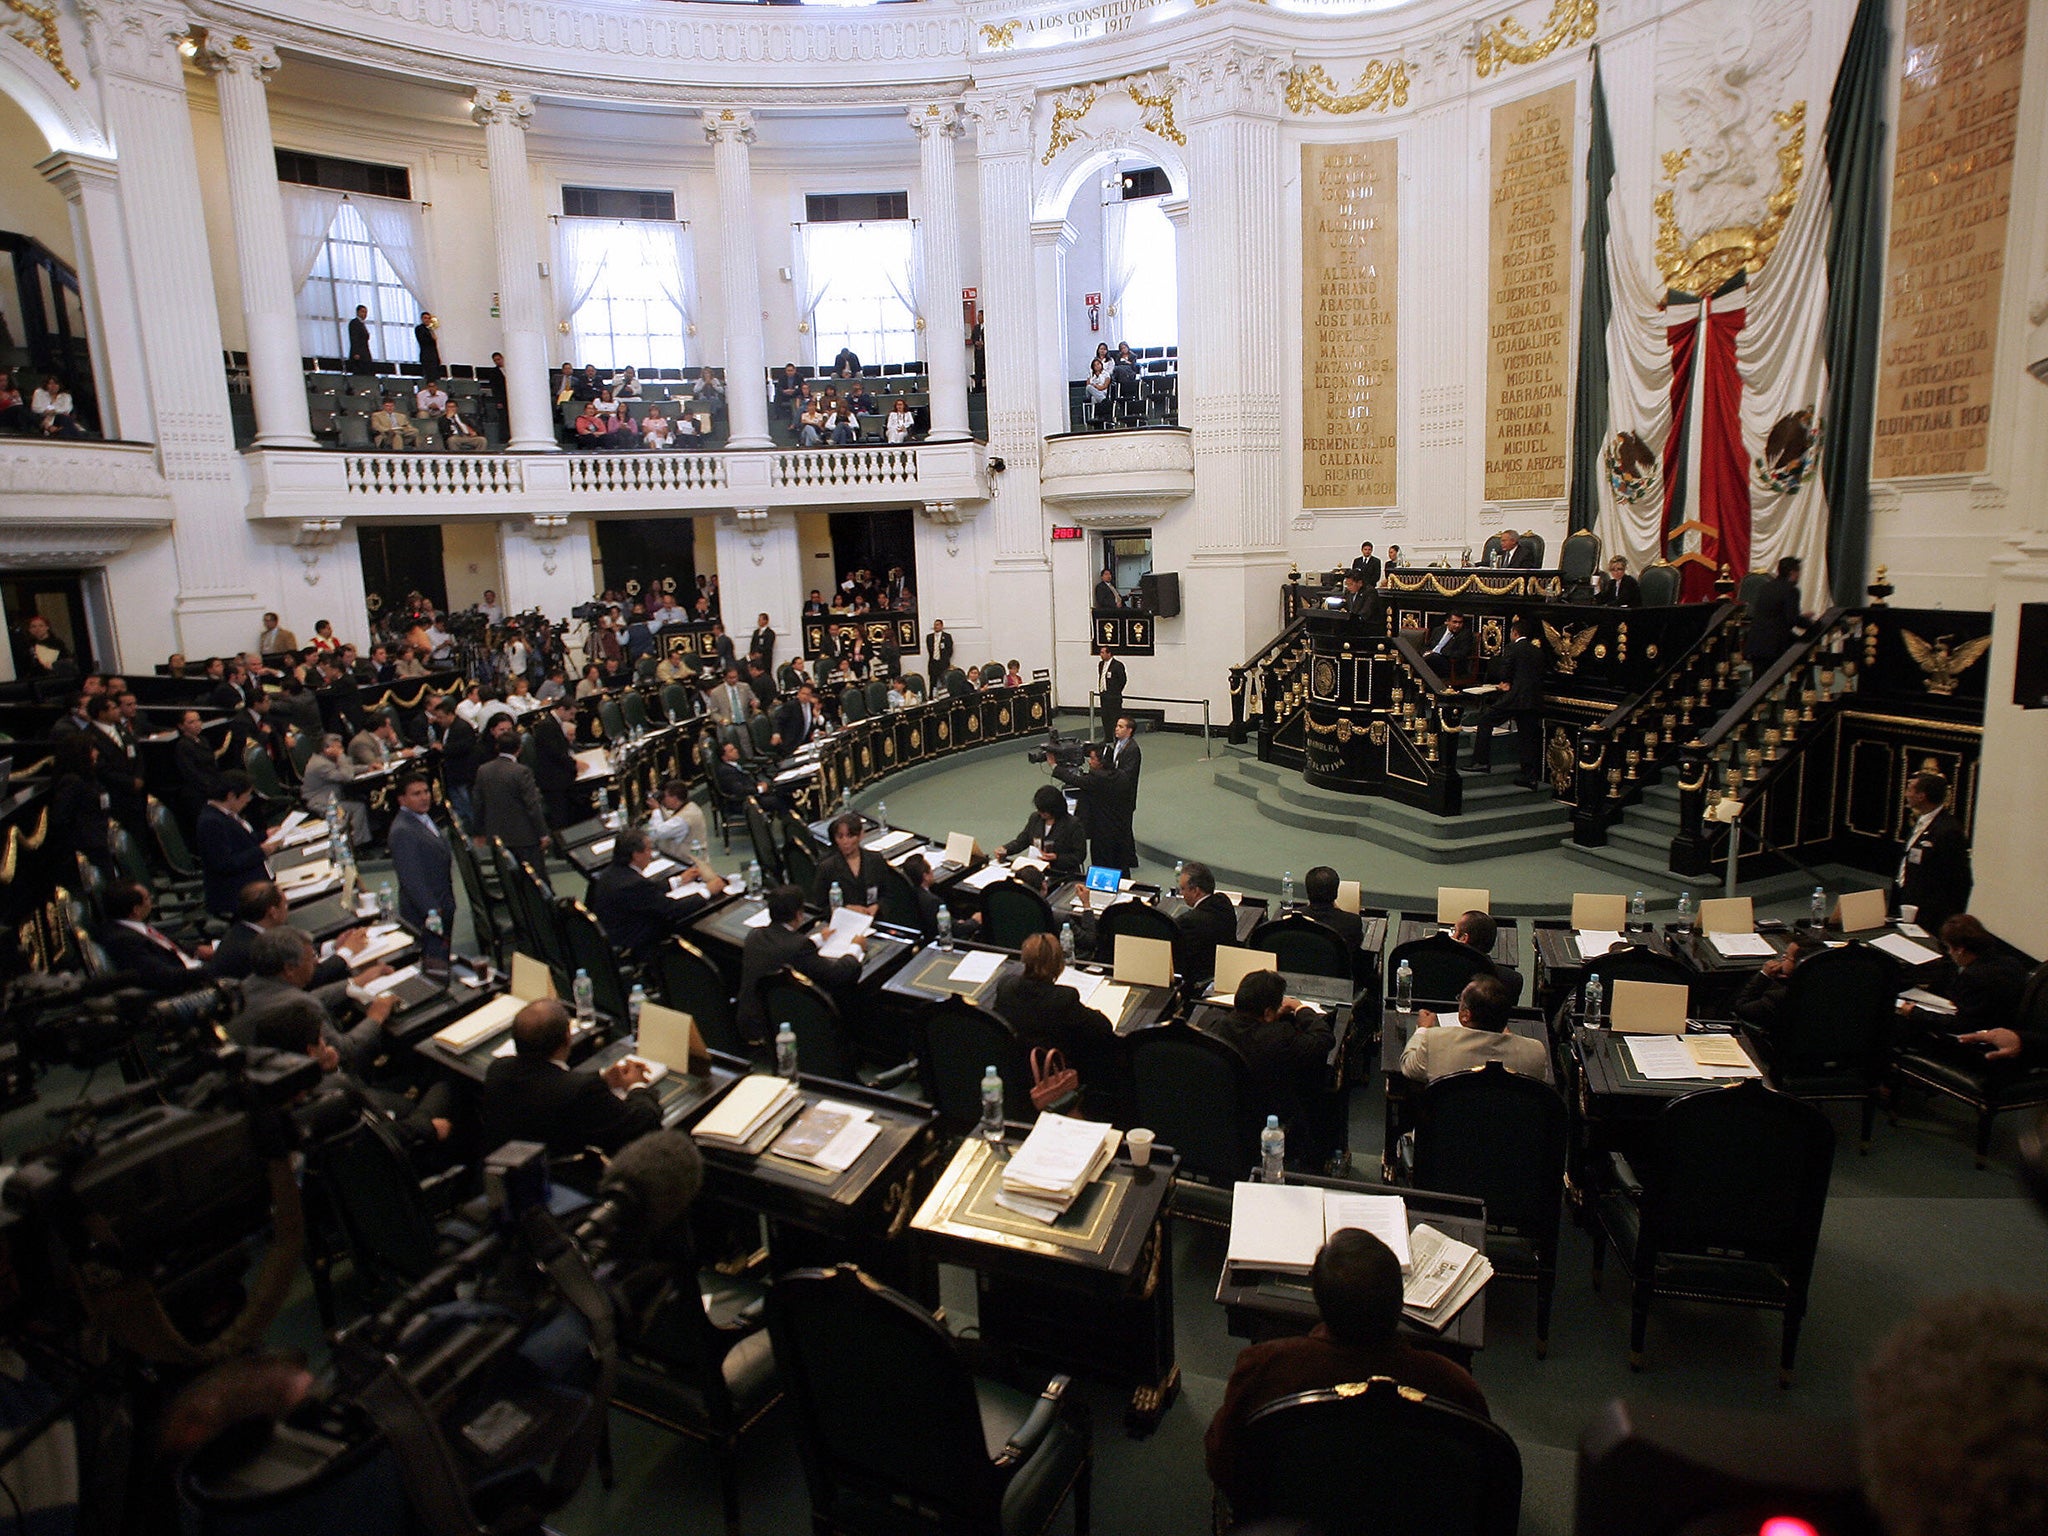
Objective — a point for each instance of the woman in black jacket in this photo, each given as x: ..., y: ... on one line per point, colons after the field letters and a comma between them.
x: 78, y: 821
x: 1044, y: 1013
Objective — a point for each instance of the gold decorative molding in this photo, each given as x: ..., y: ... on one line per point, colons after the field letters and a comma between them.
x: 1156, y: 109
x: 999, y: 36
x: 1570, y: 22
x: 1068, y: 108
x: 1705, y: 265
x: 38, y: 33
x: 1152, y: 94
x: 1383, y: 84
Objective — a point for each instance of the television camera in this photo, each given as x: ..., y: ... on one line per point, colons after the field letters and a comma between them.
x: 1069, y: 755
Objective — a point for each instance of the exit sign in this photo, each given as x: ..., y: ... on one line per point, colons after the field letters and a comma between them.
x: 1062, y: 535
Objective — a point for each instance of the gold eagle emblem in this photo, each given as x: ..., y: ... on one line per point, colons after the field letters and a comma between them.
x: 1943, y: 661
x: 1569, y: 648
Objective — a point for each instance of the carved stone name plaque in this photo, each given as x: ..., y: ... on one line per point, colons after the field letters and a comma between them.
x: 1529, y: 296
x: 1349, y: 228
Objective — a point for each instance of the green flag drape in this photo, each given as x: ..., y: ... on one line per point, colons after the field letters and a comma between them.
x: 1855, y: 158
x: 1596, y: 307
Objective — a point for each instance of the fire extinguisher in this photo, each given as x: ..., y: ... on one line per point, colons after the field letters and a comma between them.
x: 1094, y: 317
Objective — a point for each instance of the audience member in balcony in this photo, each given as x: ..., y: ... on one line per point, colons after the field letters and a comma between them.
x: 410, y: 664
x: 627, y: 385
x: 898, y: 426
x: 493, y: 381
x: 429, y: 345
x: 52, y: 409
x: 1393, y: 557
x: 1126, y: 370
x: 323, y: 637
x: 625, y: 432
x: 842, y: 425
x: 15, y: 416
x: 790, y: 392
x: 457, y: 435
x: 655, y: 431
x: 606, y: 404
x: 382, y: 668
x: 708, y: 390
x: 587, y: 385
x: 688, y: 429
x: 429, y: 401
x: 590, y: 429
x: 846, y: 365
x: 859, y: 399
x: 811, y: 422
x: 1013, y: 675
x: 40, y: 652
x: 391, y: 428
x: 359, y: 358
x: 1099, y: 374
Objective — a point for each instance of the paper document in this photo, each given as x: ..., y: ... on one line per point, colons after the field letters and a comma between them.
x: 836, y: 938
x: 1904, y: 950
x: 592, y: 763
x: 899, y: 859
x: 1143, y: 962
x: 480, y: 1023
x: 790, y: 775
x: 308, y: 873
x: 385, y: 939
x: 1025, y: 861
x: 658, y: 866
x: 1282, y: 1226
x: 1742, y: 946
x: 1111, y: 999
x: 1084, y: 982
x: 1933, y: 1002
x: 758, y: 920
x: 385, y: 983
x: 1597, y: 912
x: 1384, y: 1216
x: 975, y: 967
x: 531, y: 980
x: 668, y: 1037
x: 1728, y: 914
x: 751, y: 1106
x: 960, y: 848
x: 1913, y: 931
x: 1663, y: 1058
x: 1233, y: 965
x: 290, y: 824
x: 982, y: 879
x: 1649, y: 1007
x: 602, y: 847
x: 1861, y: 911
x: 1060, y: 1156
x: 889, y: 842
x: 680, y: 889
x: 1593, y: 943
x: 1715, y: 1052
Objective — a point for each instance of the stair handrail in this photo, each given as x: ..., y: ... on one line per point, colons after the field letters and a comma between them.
x: 1432, y: 728
x: 1248, y: 678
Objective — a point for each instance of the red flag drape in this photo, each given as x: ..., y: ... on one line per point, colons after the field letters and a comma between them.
x: 1723, y: 492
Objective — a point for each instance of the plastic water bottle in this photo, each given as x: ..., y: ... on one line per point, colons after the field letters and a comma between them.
x: 1067, y: 942
x: 754, y: 875
x: 1638, y: 911
x: 1596, y: 999
x: 785, y: 1052
x: 1287, y: 889
x: 586, y: 997
x: 434, y: 925
x: 604, y: 803
x: 1404, y: 988
x: 1685, y: 911
x: 838, y: 896
x: 386, y: 902
x: 1820, y: 907
x: 634, y: 1004
x: 882, y: 812
x: 1272, y: 1152
x: 946, y: 929
x: 991, y: 1106
x: 699, y: 855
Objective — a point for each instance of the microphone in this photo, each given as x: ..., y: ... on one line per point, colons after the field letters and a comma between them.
x: 650, y: 1186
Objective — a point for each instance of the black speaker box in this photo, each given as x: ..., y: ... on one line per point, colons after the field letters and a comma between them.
x: 1159, y: 591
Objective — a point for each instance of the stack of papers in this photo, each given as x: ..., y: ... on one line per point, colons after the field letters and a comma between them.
x: 836, y: 938
x: 312, y: 872
x: 889, y: 842
x: 828, y: 1135
x: 1281, y: 1227
x: 384, y: 939
x: 1933, y: 1002
x: 1087, y: 983
x: 481, y: 1023
x: 974, y: 968
x: 1743, y: 946
x: 1060, y: 1158
x: 1682, y: 1058
x: 801, y: 771
x: 1904, y: 950
x: 758, y: 920
x: 982, y: 879
x: 751, y: 1115
x: 1595, y: 943
x: 1444, y: 1276
x: 385, y: 983
x: 679, y: 889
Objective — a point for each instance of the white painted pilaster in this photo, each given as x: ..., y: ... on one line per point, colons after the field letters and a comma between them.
x: 731, y: 130
x: 760, y: 570
x: 91, y: 188
x: 937, y: 126
x: 1051, y: 239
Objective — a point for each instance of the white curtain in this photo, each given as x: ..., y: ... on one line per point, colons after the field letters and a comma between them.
x: 308, y: 216
x: 399, y: 232
x: 1638, y: 388
x: 663, y: 258
x: 1117, y: 266
x: 907, y: 281
x: 581, y: 246
x: 813, y: 282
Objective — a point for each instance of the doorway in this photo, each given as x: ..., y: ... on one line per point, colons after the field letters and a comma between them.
x: 60, y: 597
x: 398, y: 562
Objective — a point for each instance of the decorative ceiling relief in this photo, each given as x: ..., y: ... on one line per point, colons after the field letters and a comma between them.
x: 1384, y: 84
x: 1151, y: 103
x: 1732, y: 141
x: 1508, y: 42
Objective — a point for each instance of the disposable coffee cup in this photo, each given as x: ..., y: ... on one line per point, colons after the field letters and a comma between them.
x: 1139, y: 1144
x: 1908, y: 912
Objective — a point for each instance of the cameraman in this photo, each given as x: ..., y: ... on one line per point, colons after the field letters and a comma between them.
x: 1108, y: 799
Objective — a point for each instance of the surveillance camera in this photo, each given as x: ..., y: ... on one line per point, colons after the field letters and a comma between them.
x: 996, y: 465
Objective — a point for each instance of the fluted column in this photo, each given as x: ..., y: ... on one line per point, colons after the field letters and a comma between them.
x: 1051, y: 239
x: 937, y: 124
x: 92, y: 192
x: 241, y: 68
x: 1002, y: 124
x: 731, y: 130
x: 522, y: 302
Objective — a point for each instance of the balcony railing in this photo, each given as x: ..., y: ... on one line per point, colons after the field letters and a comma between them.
x: 432, y: 474
x: 601, y: 472
x: 844, y: 466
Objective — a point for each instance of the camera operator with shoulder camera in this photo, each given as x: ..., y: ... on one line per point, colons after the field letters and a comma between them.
x: 1107, y: 795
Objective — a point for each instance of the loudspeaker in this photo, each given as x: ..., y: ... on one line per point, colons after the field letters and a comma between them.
x: 1159, y: 591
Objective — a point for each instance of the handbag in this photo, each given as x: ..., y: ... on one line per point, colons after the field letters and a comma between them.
x: 1055, y: 1086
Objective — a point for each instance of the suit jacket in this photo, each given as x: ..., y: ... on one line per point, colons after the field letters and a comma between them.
x: 728, y: 706
x: 265, y: 997
x: 1202, y: 928
x: 554, y: 765
x: 1456, y: 648
x: 636, y: 912
x: 789, y: 725
x: 1348, y: 926
x: 1114, y: 677
x: 425, y: 867
x: 1289, y: 1059
x: 1045, y: 1013
x: 1521, y: 558
x: 762, y: 643
x: 458, y: 744
x: 153, y: 966
x: 1435, y: 1053
x: 198, y: 769
x: 938, y: 649
x: 231, y: 958
x: 230, y: 856
x: 767, y: 951
x: 1774, y: 619
x: 1937, y: 873
x: 734, y: 783
x: 1107, y: 596
x: 1520, y: 666
x: 367, y: 750
x: 1986, y: 992
x: 507, y: 804
x: 320, y: 784
x: 1368, y: 566
x: 1066, y: 839
x: 1126, y: 759
x: 527, y: 1099
x: 1625, y: 593
x: 359, y: 341
x: 430, y: 349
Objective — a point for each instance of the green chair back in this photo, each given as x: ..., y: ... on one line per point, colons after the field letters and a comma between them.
x: 1659, y: 584
x: 591, y: 951
x: 690, y: 983
x: 1303, y: 946
x: 956, y: 1043
x: 612, y: 718
x: 853, y: 704
x: 822, y: 1049
x: 1134, y: 917
x: 1012, y: 912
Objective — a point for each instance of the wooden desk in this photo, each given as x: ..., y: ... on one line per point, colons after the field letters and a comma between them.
x: 1506, y: 946
x: 1261, y: 1305
x: 1090, y: 1293
x: 926, y: 978
x: 1697, y: 952
x: 1559, y: 966
x: 1396, y: 1030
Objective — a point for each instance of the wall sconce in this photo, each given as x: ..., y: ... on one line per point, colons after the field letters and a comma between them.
x: 548, y: 528
x: 314, y: 535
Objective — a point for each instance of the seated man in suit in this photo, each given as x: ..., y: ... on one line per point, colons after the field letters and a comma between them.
x: 768, y: 949
x: 532, y: 1095
x: 1357, y: 1285
x: 1514, y: 555
x: 1320, y: 884
x: 636, y: 911
x: 1986, y: 986
x: 375, y: 744
x: 1210, y: 919
x: 1761, y: 1002
x: 676, y: 824
x: 1053, y: 834
x: 136, y: 946
x: 1287, y: 1046
x: 1476, y: 930
x: 261, y: 907
x: 327, y: 770
x: 423, y: 864
x: 1480, y: 1035
x: 421, y: 1124
x: 1449, y: 642
x: 281, y: 972
x: 1617, y: 589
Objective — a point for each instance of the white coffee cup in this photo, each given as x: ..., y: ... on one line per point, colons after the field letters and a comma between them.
x: 1139, y: 1144
x: 1908, y: 912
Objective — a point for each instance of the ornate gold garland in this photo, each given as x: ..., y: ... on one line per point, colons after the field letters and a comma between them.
x: 1070, y: 106
x: 1383, y: 84
x: 1704, y: 266
x: 1569, y: 22
x: 1003, y: 36
x: 41, y: 37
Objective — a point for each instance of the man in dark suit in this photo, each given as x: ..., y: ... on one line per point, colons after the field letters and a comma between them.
x: 1210, y: 920
x: 1110, y: 678
x: 938, y: 653
x: 1367, y: 565
x: 1514, y: 555
x: 281, y: 983
x: 1987, y: 987
x: 1517, y: 676
x: 814, y: 605
x: 262, y: 907
x: 554, y: 767
x: 226, y: 695
x: 635, y: 911
x: 1053, y: 834
x: 231, y: 854
x: 797, y: 720
x: 459, y: 745
x: 423, y: 863
x: 761, y: 643
x: 508, y: 803
x: 1359, y: 602
x: 768, y: 949
x: 1124, y: 756
x: 1774, y: 616
x: 1106, y: 595
x: 1478, y: 931
x: 138, y: 947
x: 1107, y: 802
x: 1286, y: 1045
x: 1934, y: 875
x: 1320, y: 885
x: 430, y: 349
x: 1449, y: 642
x: 532, y: 1095
x: 359, y: 358
x: 1617, y: 589
x: 119, y: 768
